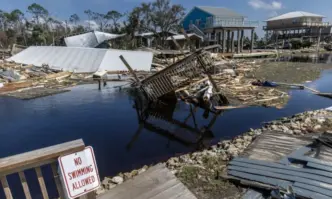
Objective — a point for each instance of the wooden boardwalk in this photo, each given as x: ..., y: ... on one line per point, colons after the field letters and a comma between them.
x: 273, y: 146
x: 156, y: 183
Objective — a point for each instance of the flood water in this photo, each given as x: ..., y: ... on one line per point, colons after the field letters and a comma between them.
x: 108, y: 121
x: 325, y: 58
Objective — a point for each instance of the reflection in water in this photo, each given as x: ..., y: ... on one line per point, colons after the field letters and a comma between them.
x: 325, y: 58
x: 157, y: 117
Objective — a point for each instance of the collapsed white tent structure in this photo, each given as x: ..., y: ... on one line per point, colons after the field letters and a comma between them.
x: 83, y: 60
x: 90, y: 39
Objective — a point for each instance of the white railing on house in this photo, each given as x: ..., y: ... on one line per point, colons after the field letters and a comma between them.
x: 229, y: 22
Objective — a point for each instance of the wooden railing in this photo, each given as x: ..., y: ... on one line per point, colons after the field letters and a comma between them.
x: 34, y: 160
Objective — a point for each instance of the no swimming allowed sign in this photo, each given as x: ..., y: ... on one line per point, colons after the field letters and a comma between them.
x: 79, y: 173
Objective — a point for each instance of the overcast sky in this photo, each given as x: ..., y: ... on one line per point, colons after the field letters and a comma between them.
x: 253, y: 9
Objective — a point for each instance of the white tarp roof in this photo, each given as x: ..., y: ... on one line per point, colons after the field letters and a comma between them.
x: 83, y: 60
x: 89, y: 39
x: 294, y: 14
x: 181, y: 37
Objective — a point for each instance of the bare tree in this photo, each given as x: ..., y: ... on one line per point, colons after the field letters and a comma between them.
x: 159, y: 16
x: 38, y: 12
x: 114, y: 16
x: 89, y: 14
x: 74, y: 19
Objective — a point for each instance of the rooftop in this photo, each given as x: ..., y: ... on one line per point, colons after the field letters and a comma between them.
x: 89, y: 39
x: 295, y: 14
x: 83, y: 60
x: 219, y: 11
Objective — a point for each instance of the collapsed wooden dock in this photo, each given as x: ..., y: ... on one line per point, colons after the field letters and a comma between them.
x: 156, y: 183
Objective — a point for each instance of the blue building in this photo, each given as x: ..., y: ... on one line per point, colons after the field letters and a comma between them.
x: 218, y: 26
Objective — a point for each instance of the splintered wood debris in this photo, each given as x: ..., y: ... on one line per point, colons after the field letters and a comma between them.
x: 230, y: 78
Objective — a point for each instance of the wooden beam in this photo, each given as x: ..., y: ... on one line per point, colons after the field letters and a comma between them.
x: 215, y: 86
x: 130, y: 69
x: 57, y: 180
x: 6, y: 188
x: 25, y: 185
x: 41, y: 182
x: 46, y: 155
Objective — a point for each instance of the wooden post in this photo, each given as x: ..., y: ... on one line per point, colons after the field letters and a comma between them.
x: 24, y: 185
x: 219, y: 40
x: 232, y: 42
x: 223, y: 40
x: 252, y: 40
x: 277, y: 42
x: 130, y: 69
x: 238, y: 41
x: 228, y: 40
x: 318, y: 40
x: 241, y: 41
x: 41, y: 182
x: 6, y: 188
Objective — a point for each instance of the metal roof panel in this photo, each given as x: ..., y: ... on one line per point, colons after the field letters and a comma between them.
x: 83, y: 60
x: 294, y: 14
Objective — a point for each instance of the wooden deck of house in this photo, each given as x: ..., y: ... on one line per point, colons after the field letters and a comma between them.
x: 156, y: 183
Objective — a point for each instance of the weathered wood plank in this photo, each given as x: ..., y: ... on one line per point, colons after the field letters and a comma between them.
x: 6, y: 188
x: 276, y: 182
x: 313, y: 188
x: 41, y: 182
x: 297, y: 173
x: 281, y: 166
x: 156, y: 183
x: 319, y: 166
x: 57, y: 180
x: 24, y: 185
x: 274, y: 146
x: 30, y: 159
x: 281, y: 176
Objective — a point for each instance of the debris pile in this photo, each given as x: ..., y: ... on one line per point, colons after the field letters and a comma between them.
x: 28, y: 81
x: 231, y: 80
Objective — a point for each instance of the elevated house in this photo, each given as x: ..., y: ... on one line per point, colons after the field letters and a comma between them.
x: 297, y: 24
x: 219, y: 25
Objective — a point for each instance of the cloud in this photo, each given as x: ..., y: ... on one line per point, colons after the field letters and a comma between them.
x: 260, y: 4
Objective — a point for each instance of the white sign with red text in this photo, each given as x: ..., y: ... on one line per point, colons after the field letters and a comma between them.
x: 79, y: 172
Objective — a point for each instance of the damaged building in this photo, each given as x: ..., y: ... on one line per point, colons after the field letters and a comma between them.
x: 298, y: 25
x: 219, y: 25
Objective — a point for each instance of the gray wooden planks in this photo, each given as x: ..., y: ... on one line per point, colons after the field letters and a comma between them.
x: 319, y: 166
x: 280, y: 183
x: 280, y: 166
x: 313, y: 188
x: 281, y: 176
x: 156, y: 183
x: 284, y: 171
x: 274, y: 146
x: 309, y: 159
